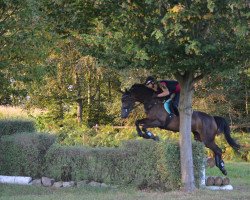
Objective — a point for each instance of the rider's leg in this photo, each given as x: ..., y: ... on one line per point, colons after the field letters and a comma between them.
x: 175, y: 103
x: 167, y: 106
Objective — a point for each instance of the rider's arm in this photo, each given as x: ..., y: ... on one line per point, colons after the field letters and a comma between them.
x: 165, y: 90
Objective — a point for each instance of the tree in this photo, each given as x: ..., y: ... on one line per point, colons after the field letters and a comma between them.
x: 189, y: 39
x: 24, y: 44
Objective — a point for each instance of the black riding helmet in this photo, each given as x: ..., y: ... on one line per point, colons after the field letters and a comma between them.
x: 150, y: 79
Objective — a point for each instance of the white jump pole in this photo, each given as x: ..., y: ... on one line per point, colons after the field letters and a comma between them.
x: 21, y: 180
x: 203, y: 174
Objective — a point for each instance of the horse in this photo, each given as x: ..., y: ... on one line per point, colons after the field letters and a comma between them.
x: 203, y: 126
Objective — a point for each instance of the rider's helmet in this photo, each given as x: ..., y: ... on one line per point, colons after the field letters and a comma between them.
x: 150, y: 79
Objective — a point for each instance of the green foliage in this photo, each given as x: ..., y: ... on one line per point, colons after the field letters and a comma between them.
x: 10, y: 127
x: 216, y: 95
x: 23, y: 154
x: 197, y: 36
x: 24, y: 43
x: 143, y: 163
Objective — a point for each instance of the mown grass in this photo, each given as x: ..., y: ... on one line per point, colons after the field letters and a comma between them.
x: 239, y: 174
x: 17, y: 112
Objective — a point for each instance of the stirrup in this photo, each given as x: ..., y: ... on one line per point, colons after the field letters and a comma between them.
x: 171, y: 115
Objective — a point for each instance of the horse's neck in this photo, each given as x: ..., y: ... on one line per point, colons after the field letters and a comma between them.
x: 142, y: 98
x: 148, y: 104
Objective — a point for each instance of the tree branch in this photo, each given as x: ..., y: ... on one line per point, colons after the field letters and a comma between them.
x: 198, y: 77
x: 178, y: 76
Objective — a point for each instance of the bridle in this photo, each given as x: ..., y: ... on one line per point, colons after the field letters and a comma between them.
x: 131, y: 98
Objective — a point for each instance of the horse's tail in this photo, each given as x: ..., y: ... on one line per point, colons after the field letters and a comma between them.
x: 223, y: 126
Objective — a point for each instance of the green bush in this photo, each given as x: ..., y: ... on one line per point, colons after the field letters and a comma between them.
x: 23, y: 154
x: 143, y: 163
x: 79, y: 163
x: 10, y: 127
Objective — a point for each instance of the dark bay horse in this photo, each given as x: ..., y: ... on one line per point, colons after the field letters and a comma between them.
x: 204, y: 127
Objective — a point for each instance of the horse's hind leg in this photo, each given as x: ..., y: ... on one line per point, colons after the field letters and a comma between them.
x: 218, y: 156
x: 197, y: 136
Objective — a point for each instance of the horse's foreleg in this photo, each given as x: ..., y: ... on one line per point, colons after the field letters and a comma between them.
x: 146, y: 123
x: 137, y: 125
x: 146, y: 134
x: 150, y: 124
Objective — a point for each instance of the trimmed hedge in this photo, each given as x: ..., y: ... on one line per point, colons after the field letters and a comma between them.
x: 23, y: 154
x: 10, y: 127
x: 143, y: 163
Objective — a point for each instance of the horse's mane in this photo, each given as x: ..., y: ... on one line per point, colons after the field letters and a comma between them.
x: 141, y: 90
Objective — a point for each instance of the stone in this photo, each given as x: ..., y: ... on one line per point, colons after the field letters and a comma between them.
x: 58, y: 184
x: 69, y: 184
x: 82, y: 183
x: 37, y: 182
x: 104, y: 185
x: 210, y: 181
x: 218, y: 181
x: 225, y: 181
x: 94, y: 184
x: 47, y: 182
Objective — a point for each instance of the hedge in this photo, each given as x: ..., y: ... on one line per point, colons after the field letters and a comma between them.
x: 10, y: 127
x: 23, y: 154
x: 143, y: 163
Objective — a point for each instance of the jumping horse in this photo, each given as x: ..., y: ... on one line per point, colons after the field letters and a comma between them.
x: 204, y: 127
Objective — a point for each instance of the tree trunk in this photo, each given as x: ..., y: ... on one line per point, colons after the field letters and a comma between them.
x: 79, y: 85
x: 79, y: 110
x: 109, y: 89
x: 185, y: 109
x: 246, y: 98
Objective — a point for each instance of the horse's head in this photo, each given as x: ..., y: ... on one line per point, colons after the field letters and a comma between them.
x: 139, y: 93
x: 128, y: 102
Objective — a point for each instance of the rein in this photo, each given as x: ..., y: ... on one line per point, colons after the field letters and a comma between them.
x: 137, y: 105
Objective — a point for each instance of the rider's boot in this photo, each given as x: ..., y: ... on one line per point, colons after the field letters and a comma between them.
x: 176, y: 111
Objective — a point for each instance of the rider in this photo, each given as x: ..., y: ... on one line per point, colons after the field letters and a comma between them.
x: 170, y: 90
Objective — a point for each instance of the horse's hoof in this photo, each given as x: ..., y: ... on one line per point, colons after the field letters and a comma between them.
x: 224, y: 171
x: 140, y: 134
x: 156, y: 138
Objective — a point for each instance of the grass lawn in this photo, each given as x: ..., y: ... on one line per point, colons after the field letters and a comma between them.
x: 239, y: 174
